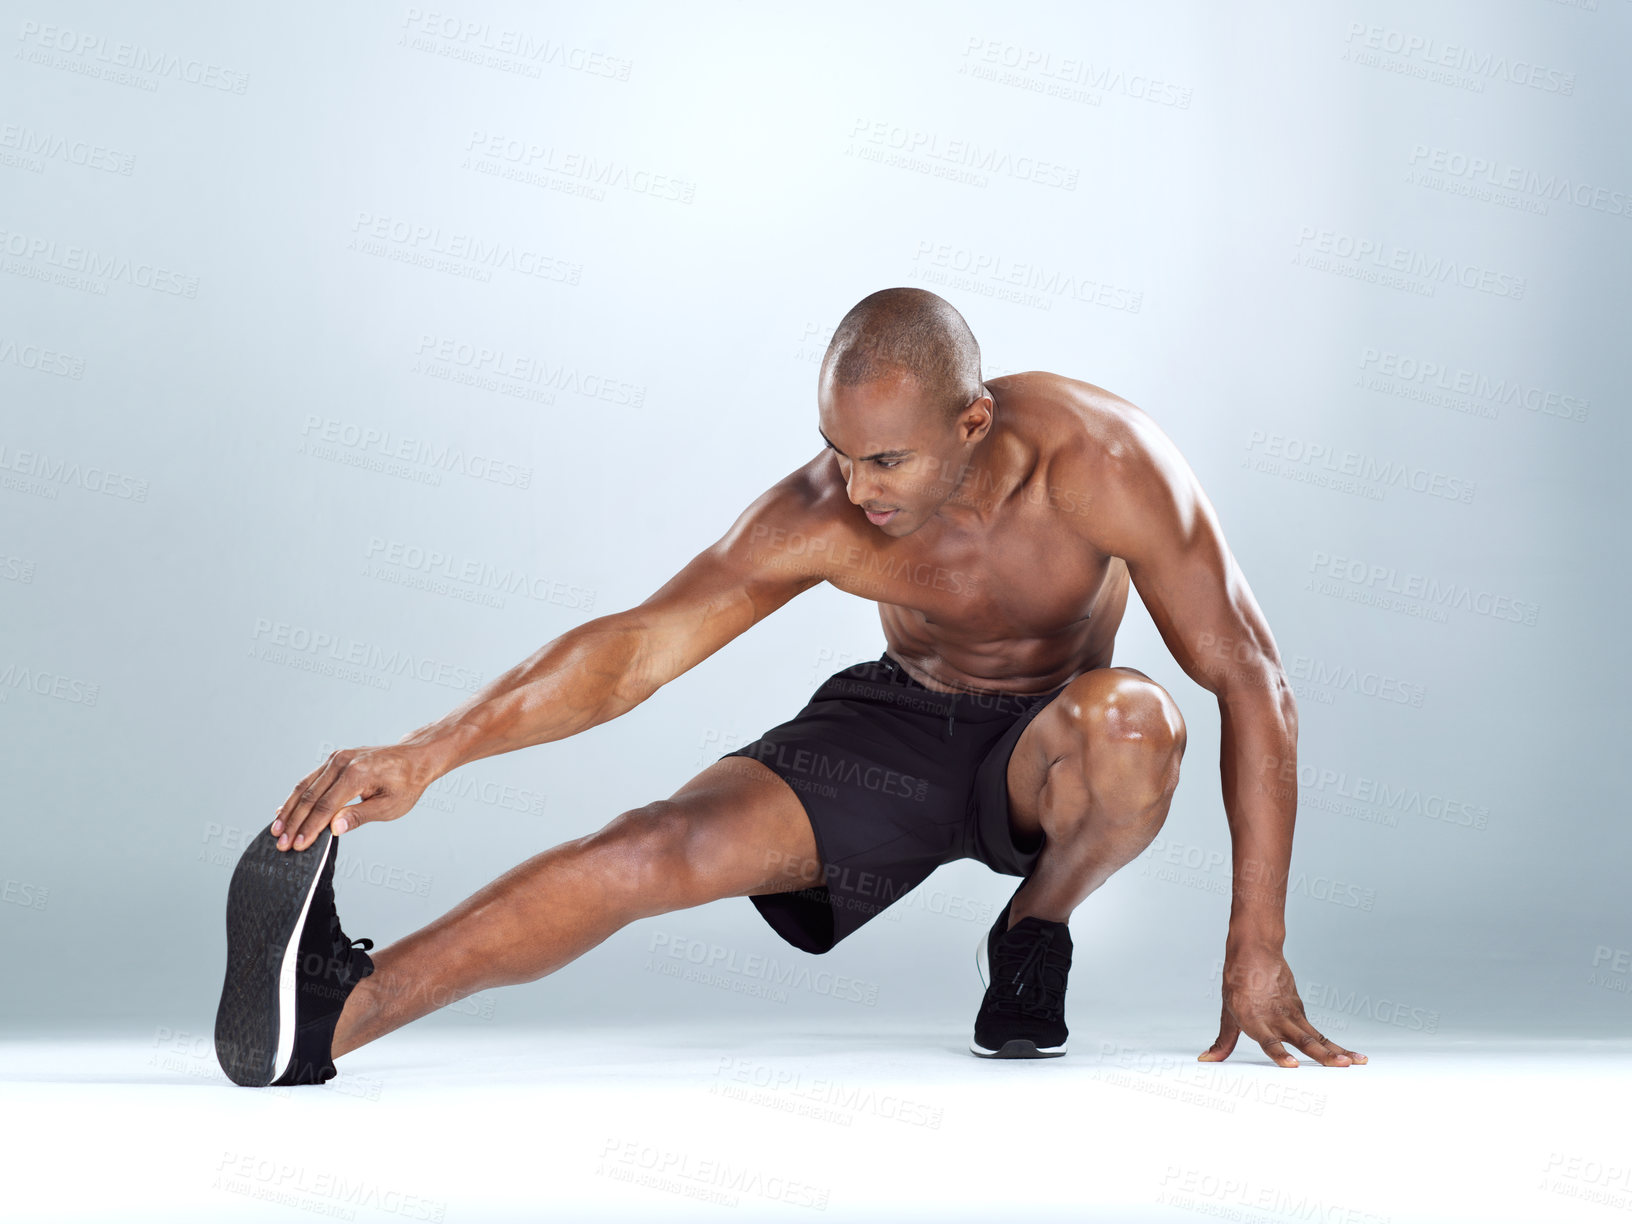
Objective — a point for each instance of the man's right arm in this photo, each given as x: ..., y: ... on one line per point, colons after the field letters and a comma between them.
x: 588, y: 675
x: 606, y: 667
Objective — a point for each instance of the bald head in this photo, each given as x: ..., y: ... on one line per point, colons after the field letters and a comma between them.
x: 909, y: 333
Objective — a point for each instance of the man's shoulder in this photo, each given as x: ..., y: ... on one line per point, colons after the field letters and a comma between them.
x: 1108, y: 450
x: 809, y: 497
x: 806, y: 505
x: 1089, y: 432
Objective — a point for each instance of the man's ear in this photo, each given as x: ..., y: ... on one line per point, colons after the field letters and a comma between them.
x: 971, y: 425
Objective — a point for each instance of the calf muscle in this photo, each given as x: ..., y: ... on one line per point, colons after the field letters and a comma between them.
x: 736, y: 829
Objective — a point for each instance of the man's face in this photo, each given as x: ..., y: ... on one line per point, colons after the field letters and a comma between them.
x: 899, y: 458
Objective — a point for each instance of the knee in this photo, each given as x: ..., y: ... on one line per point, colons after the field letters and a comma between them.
x: 1129, y: 735
x: 646, y: 851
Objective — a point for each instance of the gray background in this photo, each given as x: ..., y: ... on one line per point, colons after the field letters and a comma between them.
x: 202, y: 521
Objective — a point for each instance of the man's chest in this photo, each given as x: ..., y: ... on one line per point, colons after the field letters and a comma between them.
x: 1026, y: 576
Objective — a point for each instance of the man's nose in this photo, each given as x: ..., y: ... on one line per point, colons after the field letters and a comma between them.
x: 858, y: 487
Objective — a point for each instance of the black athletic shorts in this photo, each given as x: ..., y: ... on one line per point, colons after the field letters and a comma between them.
x: 897, y: 779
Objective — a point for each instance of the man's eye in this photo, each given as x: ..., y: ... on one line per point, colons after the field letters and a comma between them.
x: 888, y: 463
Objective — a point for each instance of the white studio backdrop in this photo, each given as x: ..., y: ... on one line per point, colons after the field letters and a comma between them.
x: 348, y: 354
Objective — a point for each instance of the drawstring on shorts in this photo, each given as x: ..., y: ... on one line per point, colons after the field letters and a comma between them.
x: 951, y: 698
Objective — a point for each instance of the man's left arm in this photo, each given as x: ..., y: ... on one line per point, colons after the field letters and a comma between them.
x: 1151, y: 511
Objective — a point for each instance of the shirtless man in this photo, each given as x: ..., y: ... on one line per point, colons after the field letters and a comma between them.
x: 997, y: 524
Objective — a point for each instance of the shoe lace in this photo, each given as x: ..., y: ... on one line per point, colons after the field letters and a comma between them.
x: 1037, y: 977
x: 343, y: 943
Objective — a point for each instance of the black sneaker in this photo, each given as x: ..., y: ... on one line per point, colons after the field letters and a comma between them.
x: 289, y: 965
x: 1025, y: 969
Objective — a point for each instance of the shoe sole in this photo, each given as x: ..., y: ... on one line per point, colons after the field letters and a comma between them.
x: 1020, y: 1047
x: 267, y: 902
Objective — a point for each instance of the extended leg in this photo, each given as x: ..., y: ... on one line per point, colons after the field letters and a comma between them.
x: 733, y: 830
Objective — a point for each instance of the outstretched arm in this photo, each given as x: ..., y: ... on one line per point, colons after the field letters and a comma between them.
x: 588, y: 675
x: 1155, y: 516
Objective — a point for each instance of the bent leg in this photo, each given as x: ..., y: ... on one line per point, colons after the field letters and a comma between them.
x: 1093, y: 775
x: 733, y: 830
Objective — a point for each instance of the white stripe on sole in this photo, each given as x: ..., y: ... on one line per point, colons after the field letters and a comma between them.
x: 287, y: 975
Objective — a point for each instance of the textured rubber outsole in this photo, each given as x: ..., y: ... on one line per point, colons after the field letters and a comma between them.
x: 266, y: 904
x: 1018, y: 1048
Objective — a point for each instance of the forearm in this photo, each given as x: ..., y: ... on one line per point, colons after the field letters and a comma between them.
x: 1258, y: 765
x: 577, y: 681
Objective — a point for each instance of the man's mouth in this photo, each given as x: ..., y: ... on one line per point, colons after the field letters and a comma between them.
x: 879, y: 518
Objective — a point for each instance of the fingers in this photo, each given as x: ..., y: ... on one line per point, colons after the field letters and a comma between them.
x: 1355, y: 1060
x: 1314, y: 1044
x: 1228, y: 1032
x: 1300, y: 1032
x: 1319, y: 1049
x: 288, y: 807
x: 386, y: 781
x: 334, y: 787
x: 1278, y: 1055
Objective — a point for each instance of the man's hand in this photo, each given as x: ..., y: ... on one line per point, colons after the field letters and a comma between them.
x: 390, y: 781
x: 1261, y: 1000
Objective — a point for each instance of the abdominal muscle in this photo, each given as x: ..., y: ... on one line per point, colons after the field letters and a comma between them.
x: 951, y: 662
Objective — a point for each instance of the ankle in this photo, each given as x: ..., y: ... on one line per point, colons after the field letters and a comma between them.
x: 350, y: 1029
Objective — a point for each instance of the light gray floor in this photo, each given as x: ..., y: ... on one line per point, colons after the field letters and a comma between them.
x: 865, y: 1123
